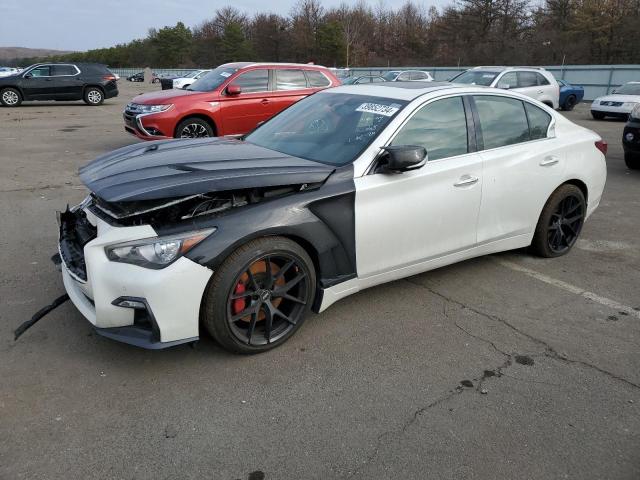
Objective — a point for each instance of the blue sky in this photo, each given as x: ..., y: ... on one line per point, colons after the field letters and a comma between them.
x: 85, y: 24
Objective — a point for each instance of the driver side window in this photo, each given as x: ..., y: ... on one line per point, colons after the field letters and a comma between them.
x: 440, y: 127
x: 41, y: 71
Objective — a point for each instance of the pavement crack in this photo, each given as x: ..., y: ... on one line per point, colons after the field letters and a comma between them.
x: 549, y: 351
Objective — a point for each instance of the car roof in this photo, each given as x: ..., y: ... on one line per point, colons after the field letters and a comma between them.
x: 240, y: 65
x: 495, y: 68
x: 398, y: 90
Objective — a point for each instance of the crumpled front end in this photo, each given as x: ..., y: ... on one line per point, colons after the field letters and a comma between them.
x: 150, y: 308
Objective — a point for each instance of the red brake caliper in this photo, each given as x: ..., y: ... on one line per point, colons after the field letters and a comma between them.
x: 239, y: 303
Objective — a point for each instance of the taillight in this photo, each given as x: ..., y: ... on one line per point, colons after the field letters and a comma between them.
x: 108, y: 78
x: 602, y: 146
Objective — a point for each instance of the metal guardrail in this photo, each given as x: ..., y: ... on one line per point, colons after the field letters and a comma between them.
x: 597, y: 80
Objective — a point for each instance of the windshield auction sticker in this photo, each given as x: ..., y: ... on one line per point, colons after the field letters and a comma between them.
x: 378, y: 109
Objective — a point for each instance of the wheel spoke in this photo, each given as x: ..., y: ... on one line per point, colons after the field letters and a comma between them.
x: 269, y: 279
x: 283, y: 270
x: 291, y: 298
x: 268, y: 321
x: 246, y: 293
x: 247, y: 311
x: 282, y: 315
x: 252, y: 279
x: 290, y: 284
x: 573, y: 219
x: 252, y: 326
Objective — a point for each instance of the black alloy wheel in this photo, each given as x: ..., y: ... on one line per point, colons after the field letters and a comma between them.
x: 260, y: 295
x: 560, y: 223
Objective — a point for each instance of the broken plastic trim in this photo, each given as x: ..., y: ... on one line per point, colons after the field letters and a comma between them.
x: 118, y: 216
x: 38, y: 315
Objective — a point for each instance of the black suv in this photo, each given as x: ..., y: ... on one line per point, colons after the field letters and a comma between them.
x: 90, y: 82
x: 631, y: 139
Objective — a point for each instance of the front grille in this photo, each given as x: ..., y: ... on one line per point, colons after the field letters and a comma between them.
x: 75, y: 233
x: 611, y: 104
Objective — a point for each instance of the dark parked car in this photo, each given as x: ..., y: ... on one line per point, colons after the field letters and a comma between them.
x: 631, y: 139
x: 91, y: 82
x: 364, y: 79
x: 570, y: 95
x: 139, y: 77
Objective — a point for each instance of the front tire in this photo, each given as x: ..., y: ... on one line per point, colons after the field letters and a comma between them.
x: 93, y: 96
x: 597, y: 115
x: 260, y: 295
x: 632, y: 161
x: 194, y: 128
x: 569, y: 103
x: 10, y: 97
x: 560, y: 222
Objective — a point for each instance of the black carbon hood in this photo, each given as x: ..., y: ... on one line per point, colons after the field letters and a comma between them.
x: 178, y: 168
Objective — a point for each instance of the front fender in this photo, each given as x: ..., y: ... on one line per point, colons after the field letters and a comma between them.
x: 324, y: 219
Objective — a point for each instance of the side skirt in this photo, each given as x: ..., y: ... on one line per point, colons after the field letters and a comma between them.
x: 342, y: 290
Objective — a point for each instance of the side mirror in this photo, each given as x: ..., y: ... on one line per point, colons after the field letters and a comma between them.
x: 234, y: 90
x: 400, y: 158
x: 28, y: 75
x: 615, y: 90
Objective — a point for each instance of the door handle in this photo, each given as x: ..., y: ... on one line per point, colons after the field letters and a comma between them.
x: 264, y: 101
x: 539, y: 91
x: 465, y: 181
x: 548, y: 161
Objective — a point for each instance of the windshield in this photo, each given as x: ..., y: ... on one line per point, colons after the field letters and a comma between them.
x: 476, y: 77
x: 390, y: 76
x: 212, y: 80
x: 191, y: 74
x: 629, y: 89
x: 331, y: 128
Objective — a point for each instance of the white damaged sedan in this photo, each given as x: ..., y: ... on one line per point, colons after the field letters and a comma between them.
x: 349, y: 188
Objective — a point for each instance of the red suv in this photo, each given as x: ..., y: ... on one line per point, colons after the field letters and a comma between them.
x: 230, y: 100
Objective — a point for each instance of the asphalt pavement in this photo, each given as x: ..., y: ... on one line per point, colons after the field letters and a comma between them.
x: 502, y: 367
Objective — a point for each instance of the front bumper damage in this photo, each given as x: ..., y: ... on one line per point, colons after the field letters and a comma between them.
x: 143, y: 307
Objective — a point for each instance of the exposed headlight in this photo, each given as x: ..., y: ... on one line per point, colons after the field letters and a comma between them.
x: 156, y: 252
x: 153, y: 108
x: 635, y: 113
x: 629, y: 137
x: 630, y: 105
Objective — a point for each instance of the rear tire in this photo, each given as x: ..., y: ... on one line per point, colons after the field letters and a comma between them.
x: 569, y: 103
x: 93, y: 96
x: 260, y: 295
x: 632, y: 161
x: 597, y: 115
x: 560, y: 222
x: 10, y: 97
x: 194, y: 128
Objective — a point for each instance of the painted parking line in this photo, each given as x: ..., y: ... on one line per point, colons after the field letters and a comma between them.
x: 607, y: 302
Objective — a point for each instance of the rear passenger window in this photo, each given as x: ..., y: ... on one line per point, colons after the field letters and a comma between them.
x: 538, y: 121
x: 253, y: 81
x: 290, y: 80
x: 502, y: 121
x: 440, y: 127
x: 527, y: 79
x: 64, y: 70
x: 418, y: 76
x: 542, y: 80
x: 317, y: 79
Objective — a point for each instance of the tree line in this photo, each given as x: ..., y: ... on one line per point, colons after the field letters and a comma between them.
x: 467, y: 32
